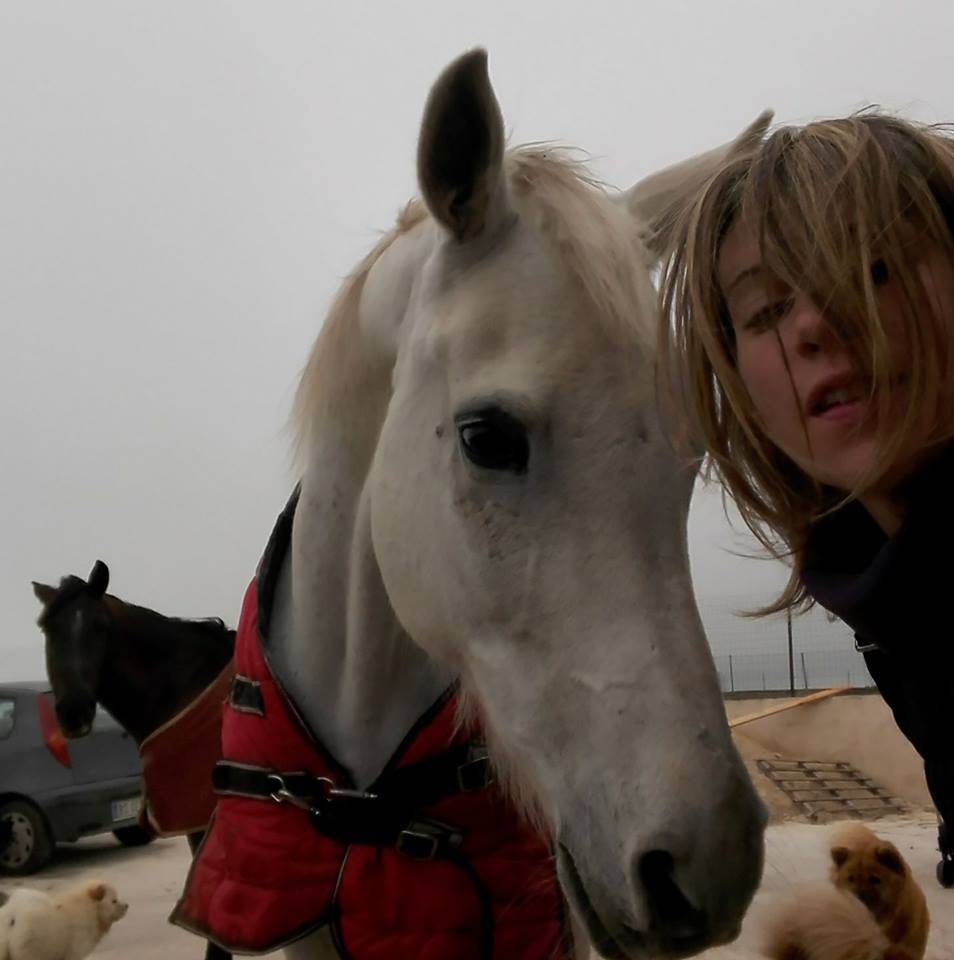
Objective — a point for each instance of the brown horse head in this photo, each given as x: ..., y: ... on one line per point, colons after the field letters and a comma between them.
x: 75, y: 623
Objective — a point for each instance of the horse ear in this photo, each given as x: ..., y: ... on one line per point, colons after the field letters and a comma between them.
x: 460, y: 149
x: 43, y: 592
x: 98, y: 579
x: 659, y: 199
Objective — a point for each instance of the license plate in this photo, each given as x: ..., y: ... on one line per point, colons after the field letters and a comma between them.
x: 126, y: 809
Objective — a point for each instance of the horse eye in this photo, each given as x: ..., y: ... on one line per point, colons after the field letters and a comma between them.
x: 494, y: 440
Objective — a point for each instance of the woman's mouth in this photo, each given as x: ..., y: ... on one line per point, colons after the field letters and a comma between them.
x: 838, y: 403
x: 841, y: 404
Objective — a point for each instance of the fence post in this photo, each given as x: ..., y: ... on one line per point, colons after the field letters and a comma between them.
x: 791, y: 653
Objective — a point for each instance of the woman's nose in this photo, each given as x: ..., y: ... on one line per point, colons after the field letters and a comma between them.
x: 808, y: 332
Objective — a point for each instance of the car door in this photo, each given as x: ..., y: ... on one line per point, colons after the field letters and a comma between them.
x: 107, y: 752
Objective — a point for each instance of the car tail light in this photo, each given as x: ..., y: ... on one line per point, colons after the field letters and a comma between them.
x: 52, y: 734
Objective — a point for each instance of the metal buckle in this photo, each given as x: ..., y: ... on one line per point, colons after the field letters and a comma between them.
x: 416, y: 845
x: 421, y: 839
x: 281, y: 793
x: 348, y: 794
x: 327, y: 793
x: 475, y: 773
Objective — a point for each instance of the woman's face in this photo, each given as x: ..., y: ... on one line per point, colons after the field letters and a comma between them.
x: 807, y: 392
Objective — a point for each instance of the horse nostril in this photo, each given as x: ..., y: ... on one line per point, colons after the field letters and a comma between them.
x: 72, y: 717
x: 674, y: 917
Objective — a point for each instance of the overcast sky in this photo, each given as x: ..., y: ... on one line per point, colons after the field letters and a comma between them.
x: 184, y: 184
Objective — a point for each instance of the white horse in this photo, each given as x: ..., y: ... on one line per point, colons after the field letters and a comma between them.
x: 488, y: 493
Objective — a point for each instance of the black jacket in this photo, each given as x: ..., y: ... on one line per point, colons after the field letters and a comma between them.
x: 897, y: 594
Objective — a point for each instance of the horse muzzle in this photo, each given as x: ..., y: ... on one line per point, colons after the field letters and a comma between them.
x: 75, y: 719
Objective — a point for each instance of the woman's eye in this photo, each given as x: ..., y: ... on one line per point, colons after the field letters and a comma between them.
x: 879, y: 273
x: 769, y: 315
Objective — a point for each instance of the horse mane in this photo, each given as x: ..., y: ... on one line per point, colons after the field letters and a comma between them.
x: 599, y: 241
x: 212, y: 626
x: 72, y: 586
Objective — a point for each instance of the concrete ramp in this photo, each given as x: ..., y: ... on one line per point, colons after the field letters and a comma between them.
x: 854, y: 728
x: 825, y: 791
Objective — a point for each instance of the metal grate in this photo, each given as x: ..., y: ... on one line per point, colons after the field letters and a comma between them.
x: 830, y: 791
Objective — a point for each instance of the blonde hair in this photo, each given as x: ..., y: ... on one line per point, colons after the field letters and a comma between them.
x: 836, y: 206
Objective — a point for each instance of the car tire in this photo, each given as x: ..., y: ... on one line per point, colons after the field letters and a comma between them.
x: 133, y: 836
x: 30, y: 846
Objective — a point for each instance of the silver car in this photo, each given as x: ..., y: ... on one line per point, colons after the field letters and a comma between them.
x: 53, y: 790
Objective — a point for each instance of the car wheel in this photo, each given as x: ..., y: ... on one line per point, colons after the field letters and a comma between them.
x: 133, y: 836
x: 29, y: 845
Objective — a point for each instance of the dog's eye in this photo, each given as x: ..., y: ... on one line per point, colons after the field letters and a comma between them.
x: 874, y: 879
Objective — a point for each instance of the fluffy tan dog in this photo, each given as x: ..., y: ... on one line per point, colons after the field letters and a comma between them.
x: 822, y: 923
x: 873, y: 870
x: 874, y: 911
x: 63, y: 926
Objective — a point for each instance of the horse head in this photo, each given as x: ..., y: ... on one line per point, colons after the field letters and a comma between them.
x: 486, y: 452
x: 75, y: 625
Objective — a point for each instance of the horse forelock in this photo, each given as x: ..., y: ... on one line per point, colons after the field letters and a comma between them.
x: 598, y: 240
x: 69, y: 589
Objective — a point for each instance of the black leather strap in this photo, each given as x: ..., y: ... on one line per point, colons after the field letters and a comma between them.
x: 387, y: 814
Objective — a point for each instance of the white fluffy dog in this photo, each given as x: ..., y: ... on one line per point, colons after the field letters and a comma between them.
x: 60, y: 926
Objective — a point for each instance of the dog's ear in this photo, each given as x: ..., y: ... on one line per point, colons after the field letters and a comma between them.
x: 839, y: 855
x: 887, y: 855
x: 97, y: 891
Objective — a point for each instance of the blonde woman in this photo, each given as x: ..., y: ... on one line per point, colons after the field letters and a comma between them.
x: 809, y: 298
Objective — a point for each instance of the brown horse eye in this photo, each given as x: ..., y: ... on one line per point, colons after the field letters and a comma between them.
x: 494, y: 440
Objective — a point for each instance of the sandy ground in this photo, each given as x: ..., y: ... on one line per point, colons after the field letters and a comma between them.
x: 150, y: 879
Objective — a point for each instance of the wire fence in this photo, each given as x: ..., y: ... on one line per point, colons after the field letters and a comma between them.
x: 766, y: 654
x: 807, y: 670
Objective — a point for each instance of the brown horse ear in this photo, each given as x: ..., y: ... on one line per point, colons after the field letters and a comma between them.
x: 43, y: 592
x: 888, y: 856
x: 98, y: 579
x: 839, y: 855
x: 97, y: 891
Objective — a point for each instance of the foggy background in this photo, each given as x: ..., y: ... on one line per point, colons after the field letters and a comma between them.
x: 184, y: 185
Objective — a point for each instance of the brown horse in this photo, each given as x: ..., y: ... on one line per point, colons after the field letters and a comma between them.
x: 143, y: 667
